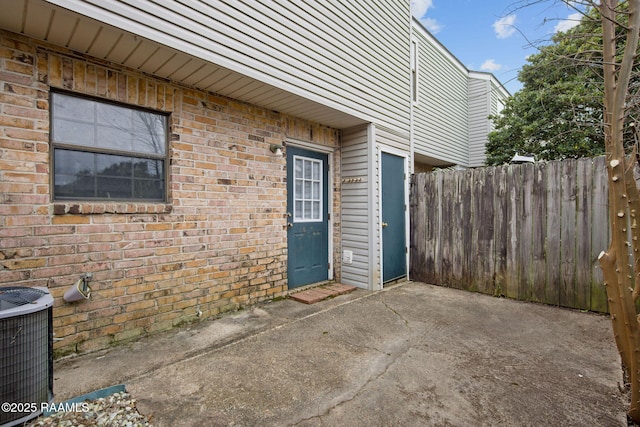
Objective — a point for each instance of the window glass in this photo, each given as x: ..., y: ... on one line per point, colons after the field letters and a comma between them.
x: 298, y: 210
x: 149, y: 132
x: 307, y: 190
x: 73, y: 132
x: 114, y: 138
x: 113, y: 116
x: 74, y: 108
x: 106, y: 176
x: 298, y: 187
x: 74, y: 173
x: 298, y: 167
x: 414, y: 71
x: 106, y: 151
x: 307, y: 169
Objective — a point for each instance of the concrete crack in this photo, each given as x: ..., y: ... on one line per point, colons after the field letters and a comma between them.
x: 353, y: 394
x: 394, y: 311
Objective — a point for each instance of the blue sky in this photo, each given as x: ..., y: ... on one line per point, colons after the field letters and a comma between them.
x: 494, y: 35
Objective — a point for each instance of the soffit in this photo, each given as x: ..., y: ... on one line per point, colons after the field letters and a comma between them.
x: 44, y: 21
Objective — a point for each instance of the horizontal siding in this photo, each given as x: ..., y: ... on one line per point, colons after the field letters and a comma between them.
x: 354, y: 216
x: 349, y: 55
x: 486, y: 97
x: 479, y: 102
x: 401, y: 142
x: 498, y: 97
x: 441, y: 114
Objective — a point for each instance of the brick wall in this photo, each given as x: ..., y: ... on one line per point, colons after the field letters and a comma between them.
x: 219, y: 243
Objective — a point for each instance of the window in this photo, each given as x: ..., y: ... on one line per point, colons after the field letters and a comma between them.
x: 107, y: 151
x: 414, y: 71
x: 307, y: 194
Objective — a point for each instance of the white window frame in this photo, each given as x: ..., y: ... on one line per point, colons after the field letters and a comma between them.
x: 300, y: 218
x: 415, y: 78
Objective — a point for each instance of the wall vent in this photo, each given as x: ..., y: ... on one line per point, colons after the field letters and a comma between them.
x: 26, y: 352
x: 347, y: 257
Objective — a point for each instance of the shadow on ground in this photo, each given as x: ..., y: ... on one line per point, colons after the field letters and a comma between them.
x: 413, y: 354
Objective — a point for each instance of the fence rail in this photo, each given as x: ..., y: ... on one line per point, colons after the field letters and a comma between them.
x: 531, y: 232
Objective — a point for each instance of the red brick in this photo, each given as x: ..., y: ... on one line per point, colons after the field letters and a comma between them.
x: 314, y: 295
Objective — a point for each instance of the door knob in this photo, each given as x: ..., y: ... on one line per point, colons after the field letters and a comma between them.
x: 384, y: 224
x: 289, y: 225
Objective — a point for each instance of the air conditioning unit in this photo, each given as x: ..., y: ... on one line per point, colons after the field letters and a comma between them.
x: 26, y: 353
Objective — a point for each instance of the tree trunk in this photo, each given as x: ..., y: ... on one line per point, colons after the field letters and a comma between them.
x: 619, y: 263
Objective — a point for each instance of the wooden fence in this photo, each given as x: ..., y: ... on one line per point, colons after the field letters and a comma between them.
x: 531, y: 232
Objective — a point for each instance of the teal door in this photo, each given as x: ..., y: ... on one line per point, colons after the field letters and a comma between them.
x: 394, y: 256
x: 307, y: 215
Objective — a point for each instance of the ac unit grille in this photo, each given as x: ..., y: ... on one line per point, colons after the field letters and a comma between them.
x: 14, y: 296
x: 26, y: 354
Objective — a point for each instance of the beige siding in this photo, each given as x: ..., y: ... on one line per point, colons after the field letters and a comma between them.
x: 345, y: 54
x: 486, y: 97
x: 441, y: 114
x: 499, y: 96
x: 479, y: 125
x: 355, y: 221
x: 393, y: 139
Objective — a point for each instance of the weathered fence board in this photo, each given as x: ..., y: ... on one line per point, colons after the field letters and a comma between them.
x: 514, y: 212
x: 529, y: 232
x: 538, y: 233
x: 500, y: 228
x: 552, y: 250
x: 567, y: 234
x: 599, y: 235
x: 584, y: 176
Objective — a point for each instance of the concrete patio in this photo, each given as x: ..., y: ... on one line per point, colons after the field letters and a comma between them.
x: 413, y: 354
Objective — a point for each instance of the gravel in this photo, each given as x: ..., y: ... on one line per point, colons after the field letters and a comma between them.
x: 118, y: 409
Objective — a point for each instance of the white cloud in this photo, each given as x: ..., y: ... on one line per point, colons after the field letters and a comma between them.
x: 504, y: 27
x: 566, y: 24
x: 432, y: 25
x: 419, y: 7
x: 490, y: 65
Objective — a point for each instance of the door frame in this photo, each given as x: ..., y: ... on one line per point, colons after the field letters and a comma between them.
x: 405, y: 156
x: 329, y: 151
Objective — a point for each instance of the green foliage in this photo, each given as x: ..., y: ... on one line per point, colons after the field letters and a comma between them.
x: 558, y: 112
